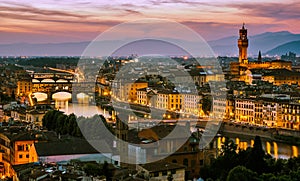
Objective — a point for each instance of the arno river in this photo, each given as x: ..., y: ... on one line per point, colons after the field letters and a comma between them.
x: 274, y: 148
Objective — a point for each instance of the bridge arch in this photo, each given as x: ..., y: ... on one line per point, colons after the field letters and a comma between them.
x: 47, y: 81
x: 62, y: 81
x: 40, y: 96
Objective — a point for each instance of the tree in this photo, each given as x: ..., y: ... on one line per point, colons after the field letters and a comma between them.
x: 206, y: 104
x: 227, y: 160
x: 13, y: 96
x: 60, y: 123
x: 228, y: 147
x: 92, y: 169
x: 241, y: 173
x: 256, y: 160
x: 107, y: 172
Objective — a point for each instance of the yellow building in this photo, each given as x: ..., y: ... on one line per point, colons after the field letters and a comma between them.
x: 290, y: 116
x: 174, y: 101
x: 169, y: 100
x: 20, y: 151
x: 16, y: 146
x: 24, y: 86
x: 127, y: 91
x: 132, y: 89
x: 282, y: 76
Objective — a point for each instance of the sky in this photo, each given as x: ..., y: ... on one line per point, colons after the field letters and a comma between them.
x: 55, y: 21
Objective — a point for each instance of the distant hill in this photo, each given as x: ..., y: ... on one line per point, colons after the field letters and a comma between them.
x: 47, y: 49
x: 264, y: 42
x: 115, y: 47
x: 293, y: 46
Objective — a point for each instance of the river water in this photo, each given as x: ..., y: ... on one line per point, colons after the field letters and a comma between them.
x: 276, y: 149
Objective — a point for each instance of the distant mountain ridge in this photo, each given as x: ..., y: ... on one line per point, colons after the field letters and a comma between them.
x: 293, y: 46
x: 46, y: 49
x: 272, y: 43
x: 264, y: 42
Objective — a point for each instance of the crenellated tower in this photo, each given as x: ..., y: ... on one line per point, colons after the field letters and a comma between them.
x: 243, y: 45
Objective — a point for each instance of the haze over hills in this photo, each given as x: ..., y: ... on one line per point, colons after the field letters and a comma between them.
x: 293, y: 46
x: 264, y: 42
x: 272, y: 43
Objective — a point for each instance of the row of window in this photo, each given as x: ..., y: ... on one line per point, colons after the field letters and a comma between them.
x: 164, y: 173
x: 21, y: 156
x: 245, y: 106
x: 23, y: 147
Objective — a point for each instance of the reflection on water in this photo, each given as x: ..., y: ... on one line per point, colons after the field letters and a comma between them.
x: 85, y: 110
x: 277, y: 150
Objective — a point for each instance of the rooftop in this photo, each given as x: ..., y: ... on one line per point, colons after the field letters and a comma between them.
x: 161, y: 166
x: 74, y: 145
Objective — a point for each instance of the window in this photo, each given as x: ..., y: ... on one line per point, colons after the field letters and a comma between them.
x: 186, y: 162
x: 20, y: 148
x: 20, y: 156
x: 201, y: 162
x: 155, y: 174
x: 193, y: 163
x: 27, y: 147
x: 164, y: 173
x: 173, y: 171
x: 27, y: 155
x: 174, y: 161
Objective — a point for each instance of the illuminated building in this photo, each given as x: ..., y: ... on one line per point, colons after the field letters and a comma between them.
x: 265, y: 110
x: 282, y: 76
x: 126, y: 90
x: 147, y: 97
x: 191, y: 103
x: 240, y: 70
x: 24, y: 86
x: 16, y: 144
x: 271, y: 108
x: 244, y: 110
x: 170, y: 100
x: 243, y: 45
x: 290, y: 116
x: 223, y: 107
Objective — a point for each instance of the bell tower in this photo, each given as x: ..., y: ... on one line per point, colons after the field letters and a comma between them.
x: 243, y: 45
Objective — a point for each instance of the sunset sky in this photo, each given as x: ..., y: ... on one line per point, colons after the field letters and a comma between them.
x: 51, y: 21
